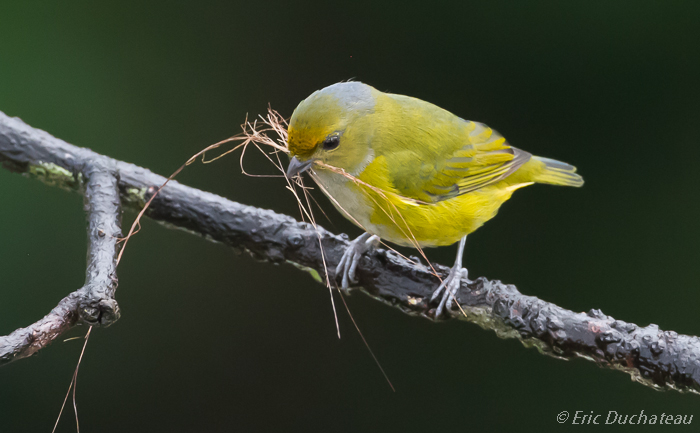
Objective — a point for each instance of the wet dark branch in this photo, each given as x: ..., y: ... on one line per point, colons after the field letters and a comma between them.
x: 103, y: 206
x: 94, y: 303
x: 660, y: 359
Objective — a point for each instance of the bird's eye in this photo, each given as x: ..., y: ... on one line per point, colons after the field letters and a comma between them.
x: 331, y: 142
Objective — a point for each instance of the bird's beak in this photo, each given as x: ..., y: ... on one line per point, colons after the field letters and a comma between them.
x: 296, y: 167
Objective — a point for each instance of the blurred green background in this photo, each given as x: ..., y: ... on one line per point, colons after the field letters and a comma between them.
x: 211, y: 341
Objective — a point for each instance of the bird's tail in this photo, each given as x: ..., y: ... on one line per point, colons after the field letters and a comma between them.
x: 554, y: 172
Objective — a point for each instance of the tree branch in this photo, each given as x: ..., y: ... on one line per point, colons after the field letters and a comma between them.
x: 93, y: 303
x: 659, y: 359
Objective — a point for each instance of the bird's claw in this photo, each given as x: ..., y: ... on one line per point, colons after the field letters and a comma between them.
x: 448, y: 288
x: 351, y: 258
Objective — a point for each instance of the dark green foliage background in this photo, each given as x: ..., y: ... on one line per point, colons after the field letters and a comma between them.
x: 211, y: 341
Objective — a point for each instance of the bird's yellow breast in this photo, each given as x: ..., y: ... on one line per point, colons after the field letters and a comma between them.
x: 370, y: 204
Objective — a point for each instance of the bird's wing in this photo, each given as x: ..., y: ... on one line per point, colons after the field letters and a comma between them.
x: 465, y: 162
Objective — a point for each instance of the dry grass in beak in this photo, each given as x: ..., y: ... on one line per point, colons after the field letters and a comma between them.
x: 253, y: 133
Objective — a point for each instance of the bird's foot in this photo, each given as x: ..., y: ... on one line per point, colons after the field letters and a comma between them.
x: 448, y: 288
x: 351, y: 258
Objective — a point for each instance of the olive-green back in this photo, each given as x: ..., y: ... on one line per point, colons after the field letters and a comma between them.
x: 430, y: 154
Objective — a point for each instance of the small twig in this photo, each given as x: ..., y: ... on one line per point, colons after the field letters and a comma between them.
x: 93, y: 303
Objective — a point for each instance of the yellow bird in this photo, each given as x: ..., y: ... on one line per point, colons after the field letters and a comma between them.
x: 412, y: 173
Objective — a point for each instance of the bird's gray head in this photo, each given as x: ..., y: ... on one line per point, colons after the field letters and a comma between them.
x: 332, y: 125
